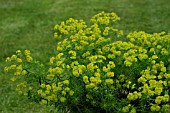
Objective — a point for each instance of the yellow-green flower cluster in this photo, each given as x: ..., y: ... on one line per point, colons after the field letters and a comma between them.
x: 16, y: 61
x: 17, y: 67
x: 104, y: 18
x: 46, y: 94
x: 71, y: 26
x: 55, y: 92
x: 92, y: 82
x: 21, y: 88
x: 129, y: 109
x: 150, y: 40
x: 96, y: 59
x: 135, y: 95
x: 78, y: 70
x: 155, y: 85
x: 89, y: 65
x: 28, y: 57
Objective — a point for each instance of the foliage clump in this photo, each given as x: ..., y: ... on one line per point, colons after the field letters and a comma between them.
x: 94, y: 70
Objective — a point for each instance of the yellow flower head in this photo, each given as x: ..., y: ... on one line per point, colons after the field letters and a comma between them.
x: 24, y: 72
x: 66, y: 82
x: 43, y: 94
x: 125, y: 109
x: 39, y: 92
x: 152, y: 50
x: 47, y: 92
x: 97, y: 74
x: 67, y: 89
x: 127, y: 63
x: 29, y: 58
x: 133, y: 110
x: 18, y: 52
x: 63, y: 93
x: 19, y: 60
x: 158, y: 99
x: 71, y: 93
x: 166, y: 98
x: 42, y: 85
x: 154, y: 57
x: 27, y: 52
x: 8, y: 59
x: 110, y: 74
x: 109, y: 81
x: 163, y: 69
x: 13, y: 57
x: 48, y: 87
x: 6, y: 69
x: 158, y: 90
x: 43, y: 102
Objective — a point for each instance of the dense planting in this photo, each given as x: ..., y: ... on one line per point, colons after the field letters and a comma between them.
x: 94, y: 70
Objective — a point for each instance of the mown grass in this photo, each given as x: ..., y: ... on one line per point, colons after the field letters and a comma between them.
x: 28, y: 24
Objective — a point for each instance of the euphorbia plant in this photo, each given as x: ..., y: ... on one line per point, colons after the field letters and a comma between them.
x: 94, y: 70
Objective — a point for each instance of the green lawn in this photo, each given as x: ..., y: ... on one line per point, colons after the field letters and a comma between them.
x: 28, y: 24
